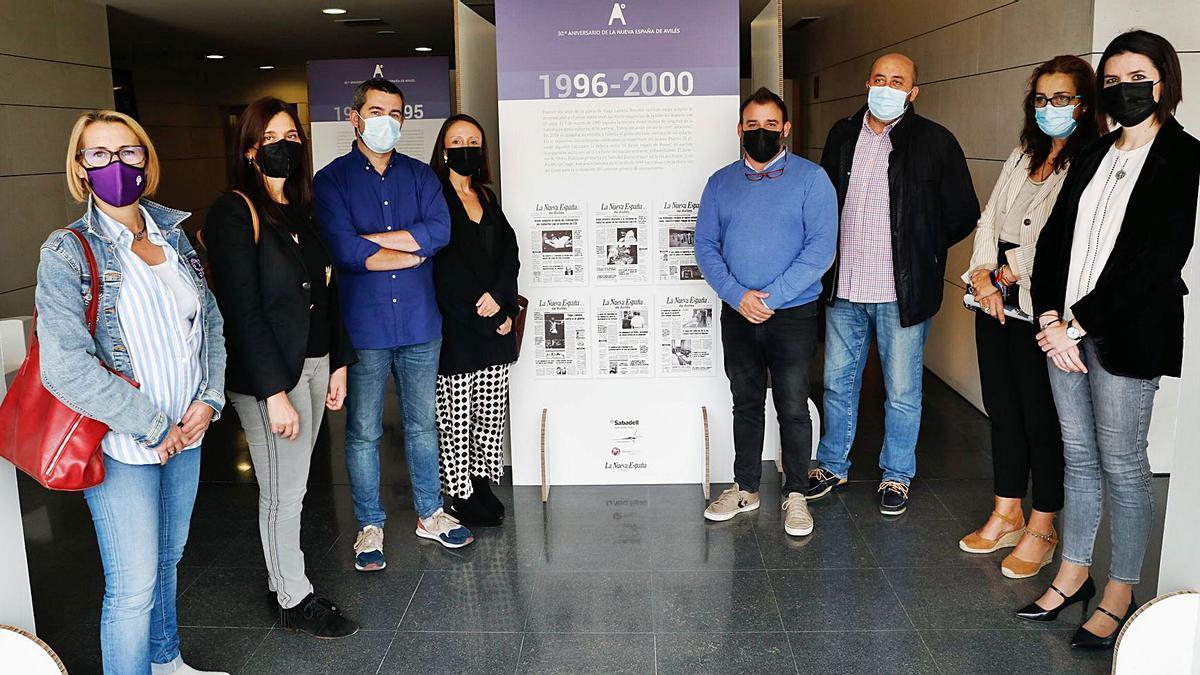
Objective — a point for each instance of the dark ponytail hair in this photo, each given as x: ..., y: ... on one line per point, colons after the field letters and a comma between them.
x: 247, y: 179
x: 1034, y: 141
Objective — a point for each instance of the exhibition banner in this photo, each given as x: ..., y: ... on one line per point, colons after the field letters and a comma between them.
x: 425, y: 82
x: 613, y: 115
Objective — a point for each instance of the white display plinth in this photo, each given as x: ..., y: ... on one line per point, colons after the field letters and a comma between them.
x: 16, y: 602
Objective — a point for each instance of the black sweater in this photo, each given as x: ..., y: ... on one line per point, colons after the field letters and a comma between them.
x: 1134, y: 314
x: 267, y: 297
x: 480, y: 258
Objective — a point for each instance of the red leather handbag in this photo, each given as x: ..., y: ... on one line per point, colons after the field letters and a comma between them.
x: 55, y: 445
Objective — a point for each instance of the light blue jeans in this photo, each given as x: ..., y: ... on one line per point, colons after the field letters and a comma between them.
x: 414, y: 368
x: 849, y: 328
x: 1105, y: 419
x: 142, y: 513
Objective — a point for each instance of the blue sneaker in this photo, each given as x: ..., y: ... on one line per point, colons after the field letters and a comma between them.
x: 444, y: 529
x: 368, y: 550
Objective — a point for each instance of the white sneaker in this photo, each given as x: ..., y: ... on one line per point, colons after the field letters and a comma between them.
x: 368, y: 550
x: 444, y: 529
x: 178, y: 667
x: 797, y: 521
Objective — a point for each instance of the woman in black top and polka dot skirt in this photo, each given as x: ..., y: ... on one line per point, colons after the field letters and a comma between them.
x: 476, y: 280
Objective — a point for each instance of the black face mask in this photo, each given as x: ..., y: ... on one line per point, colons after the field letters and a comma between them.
x: 280, y: 159
x: 761, y: 144
x: 1129, y: 103
x: 465, y: 161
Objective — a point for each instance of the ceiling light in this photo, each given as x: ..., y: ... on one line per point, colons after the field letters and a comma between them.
x: 214, y: 56
x: 385, y: 33
x: 266, y: 67
x: 424, y: 49
x: 333, y: 10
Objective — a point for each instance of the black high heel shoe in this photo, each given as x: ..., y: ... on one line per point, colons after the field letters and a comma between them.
x: 1086, y: 639
x: 1034, y: 612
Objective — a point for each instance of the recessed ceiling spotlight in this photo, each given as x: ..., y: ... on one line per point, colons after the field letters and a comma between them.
x: 424, y: 49
x: 266, y: 67
x: 333, y: 10
x: 385, y: 33
x: 214, y: 56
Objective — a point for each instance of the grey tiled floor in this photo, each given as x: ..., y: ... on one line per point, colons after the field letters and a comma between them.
x: 601, y: 579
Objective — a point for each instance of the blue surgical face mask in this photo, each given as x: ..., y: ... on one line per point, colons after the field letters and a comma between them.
x: 886, y: 103
x: 381, y: 134
x: 1056, y: 122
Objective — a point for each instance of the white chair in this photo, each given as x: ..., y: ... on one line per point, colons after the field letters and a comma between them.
x: 22, y: 652
x: 1160, y: 637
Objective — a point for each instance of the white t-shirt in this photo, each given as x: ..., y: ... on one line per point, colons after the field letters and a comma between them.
x: 1101, y: 212
x: 186, y: 302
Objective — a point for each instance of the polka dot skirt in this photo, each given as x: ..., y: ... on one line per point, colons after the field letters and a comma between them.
x: 470, y: 418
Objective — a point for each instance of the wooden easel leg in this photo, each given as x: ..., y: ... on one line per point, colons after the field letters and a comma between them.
x: 545, y: 482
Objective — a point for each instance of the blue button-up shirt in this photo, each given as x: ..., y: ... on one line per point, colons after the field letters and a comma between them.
x: 395, y: 308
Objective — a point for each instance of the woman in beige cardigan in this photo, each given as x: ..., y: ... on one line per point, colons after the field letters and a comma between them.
x: 1060, y: 119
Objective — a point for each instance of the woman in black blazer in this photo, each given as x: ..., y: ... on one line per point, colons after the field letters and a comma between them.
x: 475, y: 276
x: 288, y: 348
x: 1108, y: 293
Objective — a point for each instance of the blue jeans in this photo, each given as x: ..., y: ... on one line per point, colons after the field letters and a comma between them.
x: 414, y: 368
x: 142, y: 513
x: 849, y: 327
x: 1105, y: 419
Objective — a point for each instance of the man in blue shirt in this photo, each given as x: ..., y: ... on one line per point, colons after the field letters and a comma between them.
x: 384, y: 217
x: 766, y: 233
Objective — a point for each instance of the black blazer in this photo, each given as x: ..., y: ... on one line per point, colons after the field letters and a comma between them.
x: 933, y: 205
x: 1134, y: 315
x: 462, y: 272
x: 263, y: 292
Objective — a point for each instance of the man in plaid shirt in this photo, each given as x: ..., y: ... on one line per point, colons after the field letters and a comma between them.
x: 905, y: 197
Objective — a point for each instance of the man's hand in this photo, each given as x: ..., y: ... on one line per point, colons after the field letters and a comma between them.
x: 486, y: 306
x: 400, y: 240
x: 337, y: 389
x: 171, y: 445
x: 981, y: 280
x: 195, y: 422
x: 753, y: 308
x: 993, y: 305
x: 506, y: 327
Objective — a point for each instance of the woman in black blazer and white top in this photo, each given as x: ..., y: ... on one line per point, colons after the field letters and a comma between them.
x: 1108, y: 293
x: 288, y: 348
x: 475, y: 277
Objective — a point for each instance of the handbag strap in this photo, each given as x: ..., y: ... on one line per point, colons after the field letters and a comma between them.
x: 253, y: 213
x: 93, y: 306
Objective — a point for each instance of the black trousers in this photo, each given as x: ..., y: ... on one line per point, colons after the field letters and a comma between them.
x: 1026, y: 436
x: 783, y: 346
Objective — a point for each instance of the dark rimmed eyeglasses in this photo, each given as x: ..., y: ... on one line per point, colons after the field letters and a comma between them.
x: 755, y: 176
x: 1058, y: 101
x: 98, y: 158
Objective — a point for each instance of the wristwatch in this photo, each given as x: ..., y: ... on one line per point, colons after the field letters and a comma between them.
x: 1074, y: 332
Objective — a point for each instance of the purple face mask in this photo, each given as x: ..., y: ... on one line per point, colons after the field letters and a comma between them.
x: 117, y: 184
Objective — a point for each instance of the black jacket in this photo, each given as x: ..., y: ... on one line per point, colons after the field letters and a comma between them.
x: 1134, y: 315
x: 462, y: 272
x: 263, y: 291
x: 933, y: 205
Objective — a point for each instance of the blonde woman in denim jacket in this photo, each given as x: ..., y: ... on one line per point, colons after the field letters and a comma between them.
x: 159, y: 326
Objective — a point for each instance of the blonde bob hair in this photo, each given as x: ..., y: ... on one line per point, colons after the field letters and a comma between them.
x: 80, y: 187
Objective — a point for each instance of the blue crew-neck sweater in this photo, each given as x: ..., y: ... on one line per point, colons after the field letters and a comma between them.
x: 776, y: 235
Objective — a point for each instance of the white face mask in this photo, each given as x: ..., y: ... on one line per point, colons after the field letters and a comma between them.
x: 381, y: 134
x: 886, y: 103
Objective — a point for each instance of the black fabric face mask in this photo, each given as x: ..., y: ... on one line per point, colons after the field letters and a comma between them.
x: 465, y: 161
x: 280, y: 159
x: 1129, y: 103
x: 761, y: 144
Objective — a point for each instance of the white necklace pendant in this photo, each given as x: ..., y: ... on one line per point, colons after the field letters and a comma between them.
x: 1120, y: 174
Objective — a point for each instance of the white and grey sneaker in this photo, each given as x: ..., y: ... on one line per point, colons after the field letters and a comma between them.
x: 733, y: 501
x: 368, y: 550
x: 797, y: 521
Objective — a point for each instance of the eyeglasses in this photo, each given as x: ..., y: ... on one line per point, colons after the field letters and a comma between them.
x: 1058, y: 101
x: 97, y: 158
x: 755, y: 176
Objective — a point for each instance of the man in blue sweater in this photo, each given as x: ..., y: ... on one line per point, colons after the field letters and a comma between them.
x: 766, y: 233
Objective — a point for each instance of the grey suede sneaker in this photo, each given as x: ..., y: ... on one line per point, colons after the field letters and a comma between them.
x: 797, y: 521
x: 733, y: 501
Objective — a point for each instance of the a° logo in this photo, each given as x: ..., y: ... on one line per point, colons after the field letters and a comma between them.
x: 378, y: 70
x: 617, y: 13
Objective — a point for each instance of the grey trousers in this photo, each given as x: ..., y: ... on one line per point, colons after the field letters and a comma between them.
x: 281, y: 467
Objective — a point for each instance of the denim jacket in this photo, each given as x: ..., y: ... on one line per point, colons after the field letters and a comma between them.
x: 69, y: 365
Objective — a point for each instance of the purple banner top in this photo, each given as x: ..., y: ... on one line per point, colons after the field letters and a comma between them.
x: 535, y: 38
x: 425, y: 81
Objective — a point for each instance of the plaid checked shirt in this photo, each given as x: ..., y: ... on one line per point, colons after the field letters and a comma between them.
x: 865, y: 272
